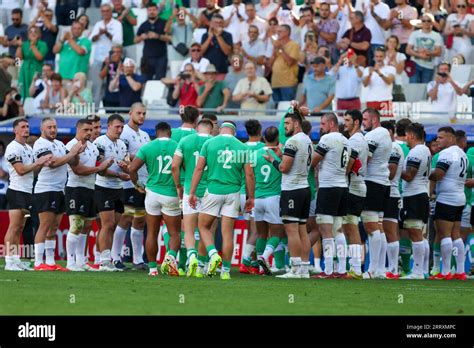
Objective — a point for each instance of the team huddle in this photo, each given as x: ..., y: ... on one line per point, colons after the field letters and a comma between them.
x: 294, y: 195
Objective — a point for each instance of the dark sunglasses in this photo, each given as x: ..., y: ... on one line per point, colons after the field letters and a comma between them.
x: 461, y: 6
x: 196, y: 50
x: 426, y: 21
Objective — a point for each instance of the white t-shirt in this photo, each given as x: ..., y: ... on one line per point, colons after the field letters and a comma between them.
x: 257, y: 86
x: 378, y: 90
x: 134, y: 140
x: 103, y: 45
x: 50, y: 179
x: 450, y: 189
x: 383, y: 11
x: 198, y: 66
x: 399, y: 57
x: 357, y: 185
x: 264, y: 12
x: 87, y: 158
x: 396, y: 157
x: 420, y: 158
x: 18, y: 153
x: 380, y: 148
x: 446, y: 101
x: 300, y: 147
x: 343, y: 20
x: 335, y: 150
x: 234, y: 25
x: 244, y: 29
x: 116, y: 150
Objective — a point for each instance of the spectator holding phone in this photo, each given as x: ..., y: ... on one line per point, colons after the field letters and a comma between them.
x: 107, y: 74
x: 459, y: 29
x: 442, y: 93
x: 79, y: 95
x: 348, y: 76
x: 12, y: 105
x: 186, y: 88
x: 129, y: 83
x: 399, y: 22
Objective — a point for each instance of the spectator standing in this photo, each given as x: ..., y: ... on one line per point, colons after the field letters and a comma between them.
x: 155, y: 55
x: 39, y: 85
x: 206, y: 15
x: 307, y: 22
x: 379, y: 82
x: 423, y: 46
x: 186, y: 88
x: 357, y: 38
x: 318, y: 88
x: 397, y: 60
x: 284, y: 63
x: 213, y: 94
x: 49, y: 32
x: 128, y: 19
x: 348, y: 76
x: 166, y: 7
x: 36, y: 6
x: 6, y: 61
x: 376, y: 14
x: 252, y: 20
x: 17, y: 32
x: 327, y: 29
x: 217, y: 45
x: 54, y: 96
x: 310, y: 51
x: 197, y: 60
x: 107, y: 74
x: 253, y: 49
x: 399, y: 22
x: 66, y: 11
x: 32, y: 53
x: 234, y: 15
x: 106, y: 33
x: 84, y: 20
x: 6, y: 9
x: 442, y: 93
x: 264, y: 8
x: 236, y: 73
x: 459, y: 29
x: 435, y: 7
x: 12, y: 105
x: 74, y: 51
x: 253, y: 92
x: 3, y: 177
x: 130, y: 84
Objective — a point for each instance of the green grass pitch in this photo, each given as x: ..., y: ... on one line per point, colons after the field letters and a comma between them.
x: 134, y: 293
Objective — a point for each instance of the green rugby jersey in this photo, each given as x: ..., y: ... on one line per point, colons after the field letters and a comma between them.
x: 188, y: 149
x: 177, y: 134
x: 158, y: 156
x: 252, y: 146
x: 267, y: 177
x: 225, y: 156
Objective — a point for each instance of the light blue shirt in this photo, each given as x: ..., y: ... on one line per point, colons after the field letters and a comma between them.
x: 348, y: 84
x: 317, y: 91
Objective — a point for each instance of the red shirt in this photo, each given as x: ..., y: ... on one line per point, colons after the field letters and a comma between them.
x: 188, y: 95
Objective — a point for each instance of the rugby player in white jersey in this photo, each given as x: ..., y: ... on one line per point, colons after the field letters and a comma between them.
x: 415, y: 211
x: 108, y: 194
x: 79, y: 196
x: 450, y: 177
x: 134, y: 201
x: 49, y: 191
x: 295, y: 197
x: 21, y: 168
x: 378, y: 189
x: 335, y: 159
x: 357, y: 190
x: 391, y: 214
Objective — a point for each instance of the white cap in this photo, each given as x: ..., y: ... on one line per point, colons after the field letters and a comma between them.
x: 129, y: 62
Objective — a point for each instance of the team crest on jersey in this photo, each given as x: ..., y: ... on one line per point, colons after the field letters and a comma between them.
x: 53, y: 205
x: 81, y: 209
x: 106, y: 204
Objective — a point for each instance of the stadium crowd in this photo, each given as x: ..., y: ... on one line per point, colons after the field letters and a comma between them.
x: 365, y: 179
x: 233, y: 55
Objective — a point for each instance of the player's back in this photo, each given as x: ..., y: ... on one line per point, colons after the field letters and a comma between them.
x: 419, y: 157
x: 267, y: 177
x: 181, y: 132
x: 380, y: 148
x: 300, y: 147
x: 253, y: 147
x: 50, y: 179
x: 335, y: 149
x: 450, y: 189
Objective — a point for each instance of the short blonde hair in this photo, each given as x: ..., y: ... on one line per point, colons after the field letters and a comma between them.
x: 81, y: 77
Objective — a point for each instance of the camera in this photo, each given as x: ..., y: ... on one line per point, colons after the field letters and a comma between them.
x: 442, y: 74
x: 184, y: 76
x: 17, y: 97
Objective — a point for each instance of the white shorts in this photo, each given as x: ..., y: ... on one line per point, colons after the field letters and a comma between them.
x: 246, y: 216
x: 156, y: 204
x: 312, y: 208
x: 187, y: 209
x: 217, y: 205
x: 466, y: 217
x: 268, y: 210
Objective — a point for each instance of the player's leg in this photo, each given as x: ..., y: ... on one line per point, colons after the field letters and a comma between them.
x: 119, y: 236
x: 381, y: 268
x: 227, y: 229
x: 262, y: 236
x: 16, y: 223
x: 76, y: 224
x: 315, y: 242
x: 108, y: 224
x: 350, y: 227
x: 390, y: 226
x: 151, y: 245
x: 190, y: 224
x: 46, y: 221
x: 136, y: 238
x: 435, y: 270
x: 340, y: 243
x: 458, y: 249
x: 371, y: 226
x: 415, y: 231
x: 305, y: 249
x: 82, y: 249
x: 250, y: 244
x: 443, y: 229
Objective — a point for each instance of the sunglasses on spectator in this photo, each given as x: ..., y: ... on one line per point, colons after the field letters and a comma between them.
x: 195, y: 50
x: 461, y: 6
x: 426, y: 20
x: 253, y: 32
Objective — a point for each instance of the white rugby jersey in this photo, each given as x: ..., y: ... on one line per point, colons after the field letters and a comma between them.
x: 18, y: 153
x: 50, y: 179
x: 396, y: 157
x: 335, y: 150
x: 450, y: 189
x: 357, y: 183
x: 116, y: 150
x: 300, y: 147
x: 420, y: 158
x: 88, y: 158
x: 380, y: 148
x: 134, y: 140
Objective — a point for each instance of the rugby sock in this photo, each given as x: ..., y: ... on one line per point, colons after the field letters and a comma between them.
x: 392, y: 253
x: 226, y: 266
x: 341, y: 246
x: 295, y: 263
x: 355, y: 252
x: 172, y: 253
x: 117, y: 245
x: 328, y: 252
x: 183, y: 256
x: 49, y: 247
x: 280, y: 253
x: 254, y: 264
x: 152, y: 266
x: 453, y: 260
x: 459, y: 254
x: 317, y: 264
x: 105, y: 256
x: 211, y: 250
x: 247, y: 254
x: 202, y: 260
x: 71, y: 248
x: 81, y: 249
x: 383, y: 254
x: 418, y: 255
x: 96, y: 257
x: 405, y: 253
x: 136, y: 236
x: 9, y: 260
x: 190, y: 252
x: 39, y: 253
x: 436, y: 255
x: 304, y: 267
x: 260, y: 246
x: 270, y: 247
x: 375, y: 241
x: 426, y: 257
x: 446, y: 252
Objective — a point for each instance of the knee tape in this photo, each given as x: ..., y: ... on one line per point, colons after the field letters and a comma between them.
x: 139, y: 213
x: 76, y: 223
x: 369, y: 216
x: 350, y: 220
x: 413, y: 223
x: 324, y: 219
x: 128, y: 211
x: 336, y: 226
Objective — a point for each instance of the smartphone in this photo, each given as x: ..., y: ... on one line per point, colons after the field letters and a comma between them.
x: 443, y: 74
x: 350, y: 53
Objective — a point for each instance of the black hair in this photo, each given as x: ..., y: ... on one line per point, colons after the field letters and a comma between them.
x: 389, y: 125
x: 93, y: 118
x: 189, y: 114
x: 18, y: 121
x: 83, y: 121
x: 115, y: 117
x: 306, y: 126
x: 253, y: 127
x: 355, y: 114
x: 401, y: 126
x: 295, y: 116
x: 17, y: 11
x: 417, y: 129
x: 271, y: 134
x: 460, y: 134
x: 449, y: 130
x: 163, y: 127
x: 209, y: 116
x: 206, y: 122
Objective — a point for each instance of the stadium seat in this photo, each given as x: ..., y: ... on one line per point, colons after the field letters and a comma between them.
x: 175, y: 66
x: 415, y: 92
x: 461, y: 74
x: 28, y: 106
x: 283, y: 107
x: 154, y: 92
